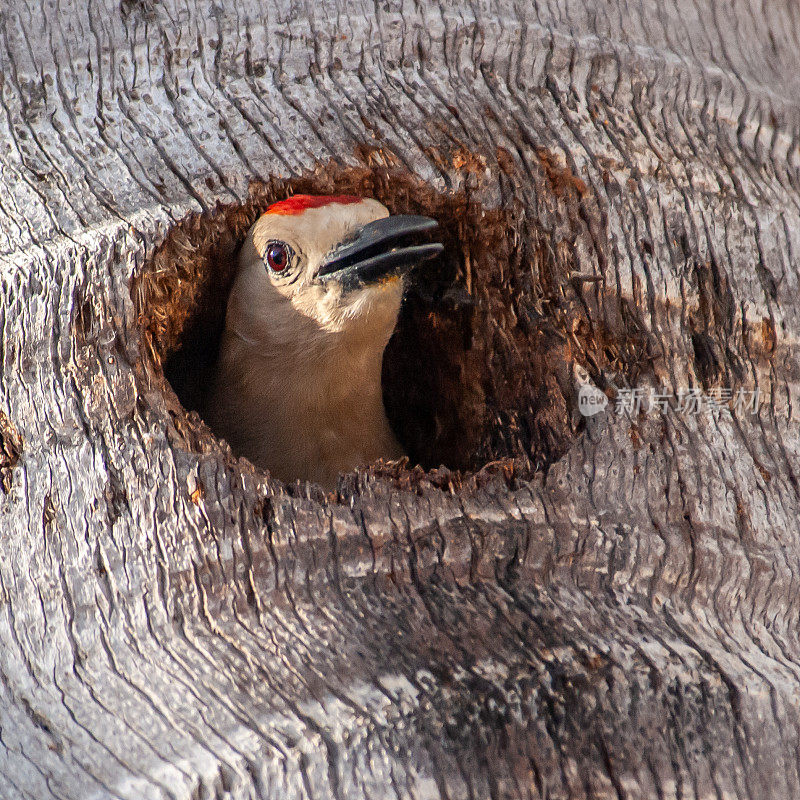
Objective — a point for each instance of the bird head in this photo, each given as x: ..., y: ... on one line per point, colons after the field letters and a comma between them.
x: 317, y: 269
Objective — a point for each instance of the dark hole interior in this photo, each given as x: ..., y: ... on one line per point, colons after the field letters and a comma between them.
x: 480, y: 367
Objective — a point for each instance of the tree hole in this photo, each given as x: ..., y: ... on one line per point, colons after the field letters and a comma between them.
x: 480, y: 367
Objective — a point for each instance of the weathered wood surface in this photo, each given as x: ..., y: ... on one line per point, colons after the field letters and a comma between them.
x: 625, y: 628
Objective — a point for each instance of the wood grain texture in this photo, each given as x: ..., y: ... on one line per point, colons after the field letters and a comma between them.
x: 175, y: 625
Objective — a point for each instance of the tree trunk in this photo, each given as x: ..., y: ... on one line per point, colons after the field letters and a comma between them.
x: 621, y: 623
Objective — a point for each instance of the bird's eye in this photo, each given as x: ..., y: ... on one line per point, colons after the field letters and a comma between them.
x: 277, y: 256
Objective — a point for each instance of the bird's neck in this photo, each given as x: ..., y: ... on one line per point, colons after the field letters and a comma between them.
x: 311, y: 411
x: 339, y: 372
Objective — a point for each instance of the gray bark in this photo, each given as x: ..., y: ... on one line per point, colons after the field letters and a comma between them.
x: 174, y: 624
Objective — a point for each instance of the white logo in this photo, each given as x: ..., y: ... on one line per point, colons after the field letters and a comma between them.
x: 591, y: 400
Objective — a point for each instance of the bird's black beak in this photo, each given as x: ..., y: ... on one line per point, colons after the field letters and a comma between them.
x: 380, y: 249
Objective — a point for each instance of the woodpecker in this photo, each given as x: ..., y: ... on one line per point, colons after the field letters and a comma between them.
x: 314, y: 302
